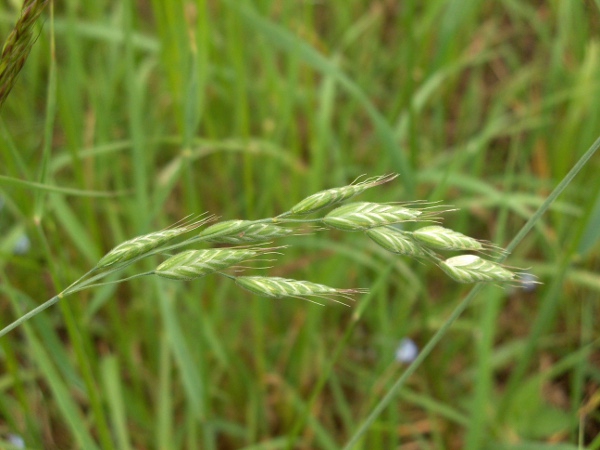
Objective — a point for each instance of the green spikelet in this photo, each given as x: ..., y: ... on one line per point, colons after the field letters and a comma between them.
x: 137, y: 246
x: 362, y: 216
x: 140, y: 245
x: 395, y: 241
x: 276, y: 287
x: 199, y: 263
x: 330, y: 197
x: 246, y: 232
x: 473, y: 269
x: 225, y: 228
x: 440, y: 238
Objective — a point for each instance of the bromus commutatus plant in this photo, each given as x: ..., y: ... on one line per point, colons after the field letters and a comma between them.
x: 378, y: 221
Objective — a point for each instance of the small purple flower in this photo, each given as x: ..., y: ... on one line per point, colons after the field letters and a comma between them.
x: 407, y: 351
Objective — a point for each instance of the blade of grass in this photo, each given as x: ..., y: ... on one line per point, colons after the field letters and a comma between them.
x: 110, y: 370
x: 324, y: 375
x: 85, y: 361
x: 191, y: 375
x: 164, y: 410
x: 141, y: 154
x: 282, y: 38
x: 61, y: 393
x: 60, y: 190
x: 48, y: 124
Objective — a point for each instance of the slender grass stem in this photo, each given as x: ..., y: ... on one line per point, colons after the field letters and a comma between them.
x: 73, y: 287
x: 34, y: 312
x: 88, y: 286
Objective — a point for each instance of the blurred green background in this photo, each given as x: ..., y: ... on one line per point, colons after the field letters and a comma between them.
x: 167, y: 108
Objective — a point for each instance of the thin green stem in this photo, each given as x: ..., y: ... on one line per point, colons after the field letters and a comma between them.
x: 87, y: 286
x: 74, y: 287
x: 30, y: 314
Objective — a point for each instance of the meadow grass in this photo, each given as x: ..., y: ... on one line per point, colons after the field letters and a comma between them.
x: 128, y: 116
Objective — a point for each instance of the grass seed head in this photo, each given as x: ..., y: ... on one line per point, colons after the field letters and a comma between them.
x: 225, y: 228
x: 330, y: 197
x: 440, y: 238
x: 276, y: 287
x: 395, y: 241
x: 18, y: 45
x: 364, y: 215
x: 140, y: 245
x: 199, y: 263
x: 249, y: 233
x: 473, y: 269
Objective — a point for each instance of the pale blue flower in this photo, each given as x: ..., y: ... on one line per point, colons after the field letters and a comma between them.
x: 22, y: 246
x: 528, y: 282
x: 407, y: 351
x: 16, y: 440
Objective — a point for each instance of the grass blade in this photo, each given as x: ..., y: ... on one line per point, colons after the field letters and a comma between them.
x: 292, y: 44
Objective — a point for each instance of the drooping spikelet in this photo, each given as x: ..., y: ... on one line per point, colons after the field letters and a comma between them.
x: 364, y: 215
x: 440, y: 238
x: 140, y: 245
x: 276, y: 287
x: 330, y: 197
x: 199, y: 263
x: 473, y: 269
x: 18, y: 45
x: 243, y: 232
x: 395, y: 241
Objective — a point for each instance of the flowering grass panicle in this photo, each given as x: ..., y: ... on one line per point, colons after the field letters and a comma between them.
x: 333, y: 196
x: 374, y: 219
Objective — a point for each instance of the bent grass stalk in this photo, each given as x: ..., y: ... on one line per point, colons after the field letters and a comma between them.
x: 376, y: 220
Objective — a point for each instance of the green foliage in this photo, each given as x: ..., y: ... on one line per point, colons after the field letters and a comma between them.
x: 133, y: 115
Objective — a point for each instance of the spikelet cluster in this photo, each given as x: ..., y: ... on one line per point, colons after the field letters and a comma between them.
x: 378, y: 221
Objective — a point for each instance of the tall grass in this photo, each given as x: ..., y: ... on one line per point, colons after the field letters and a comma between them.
x: 148, y: 112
